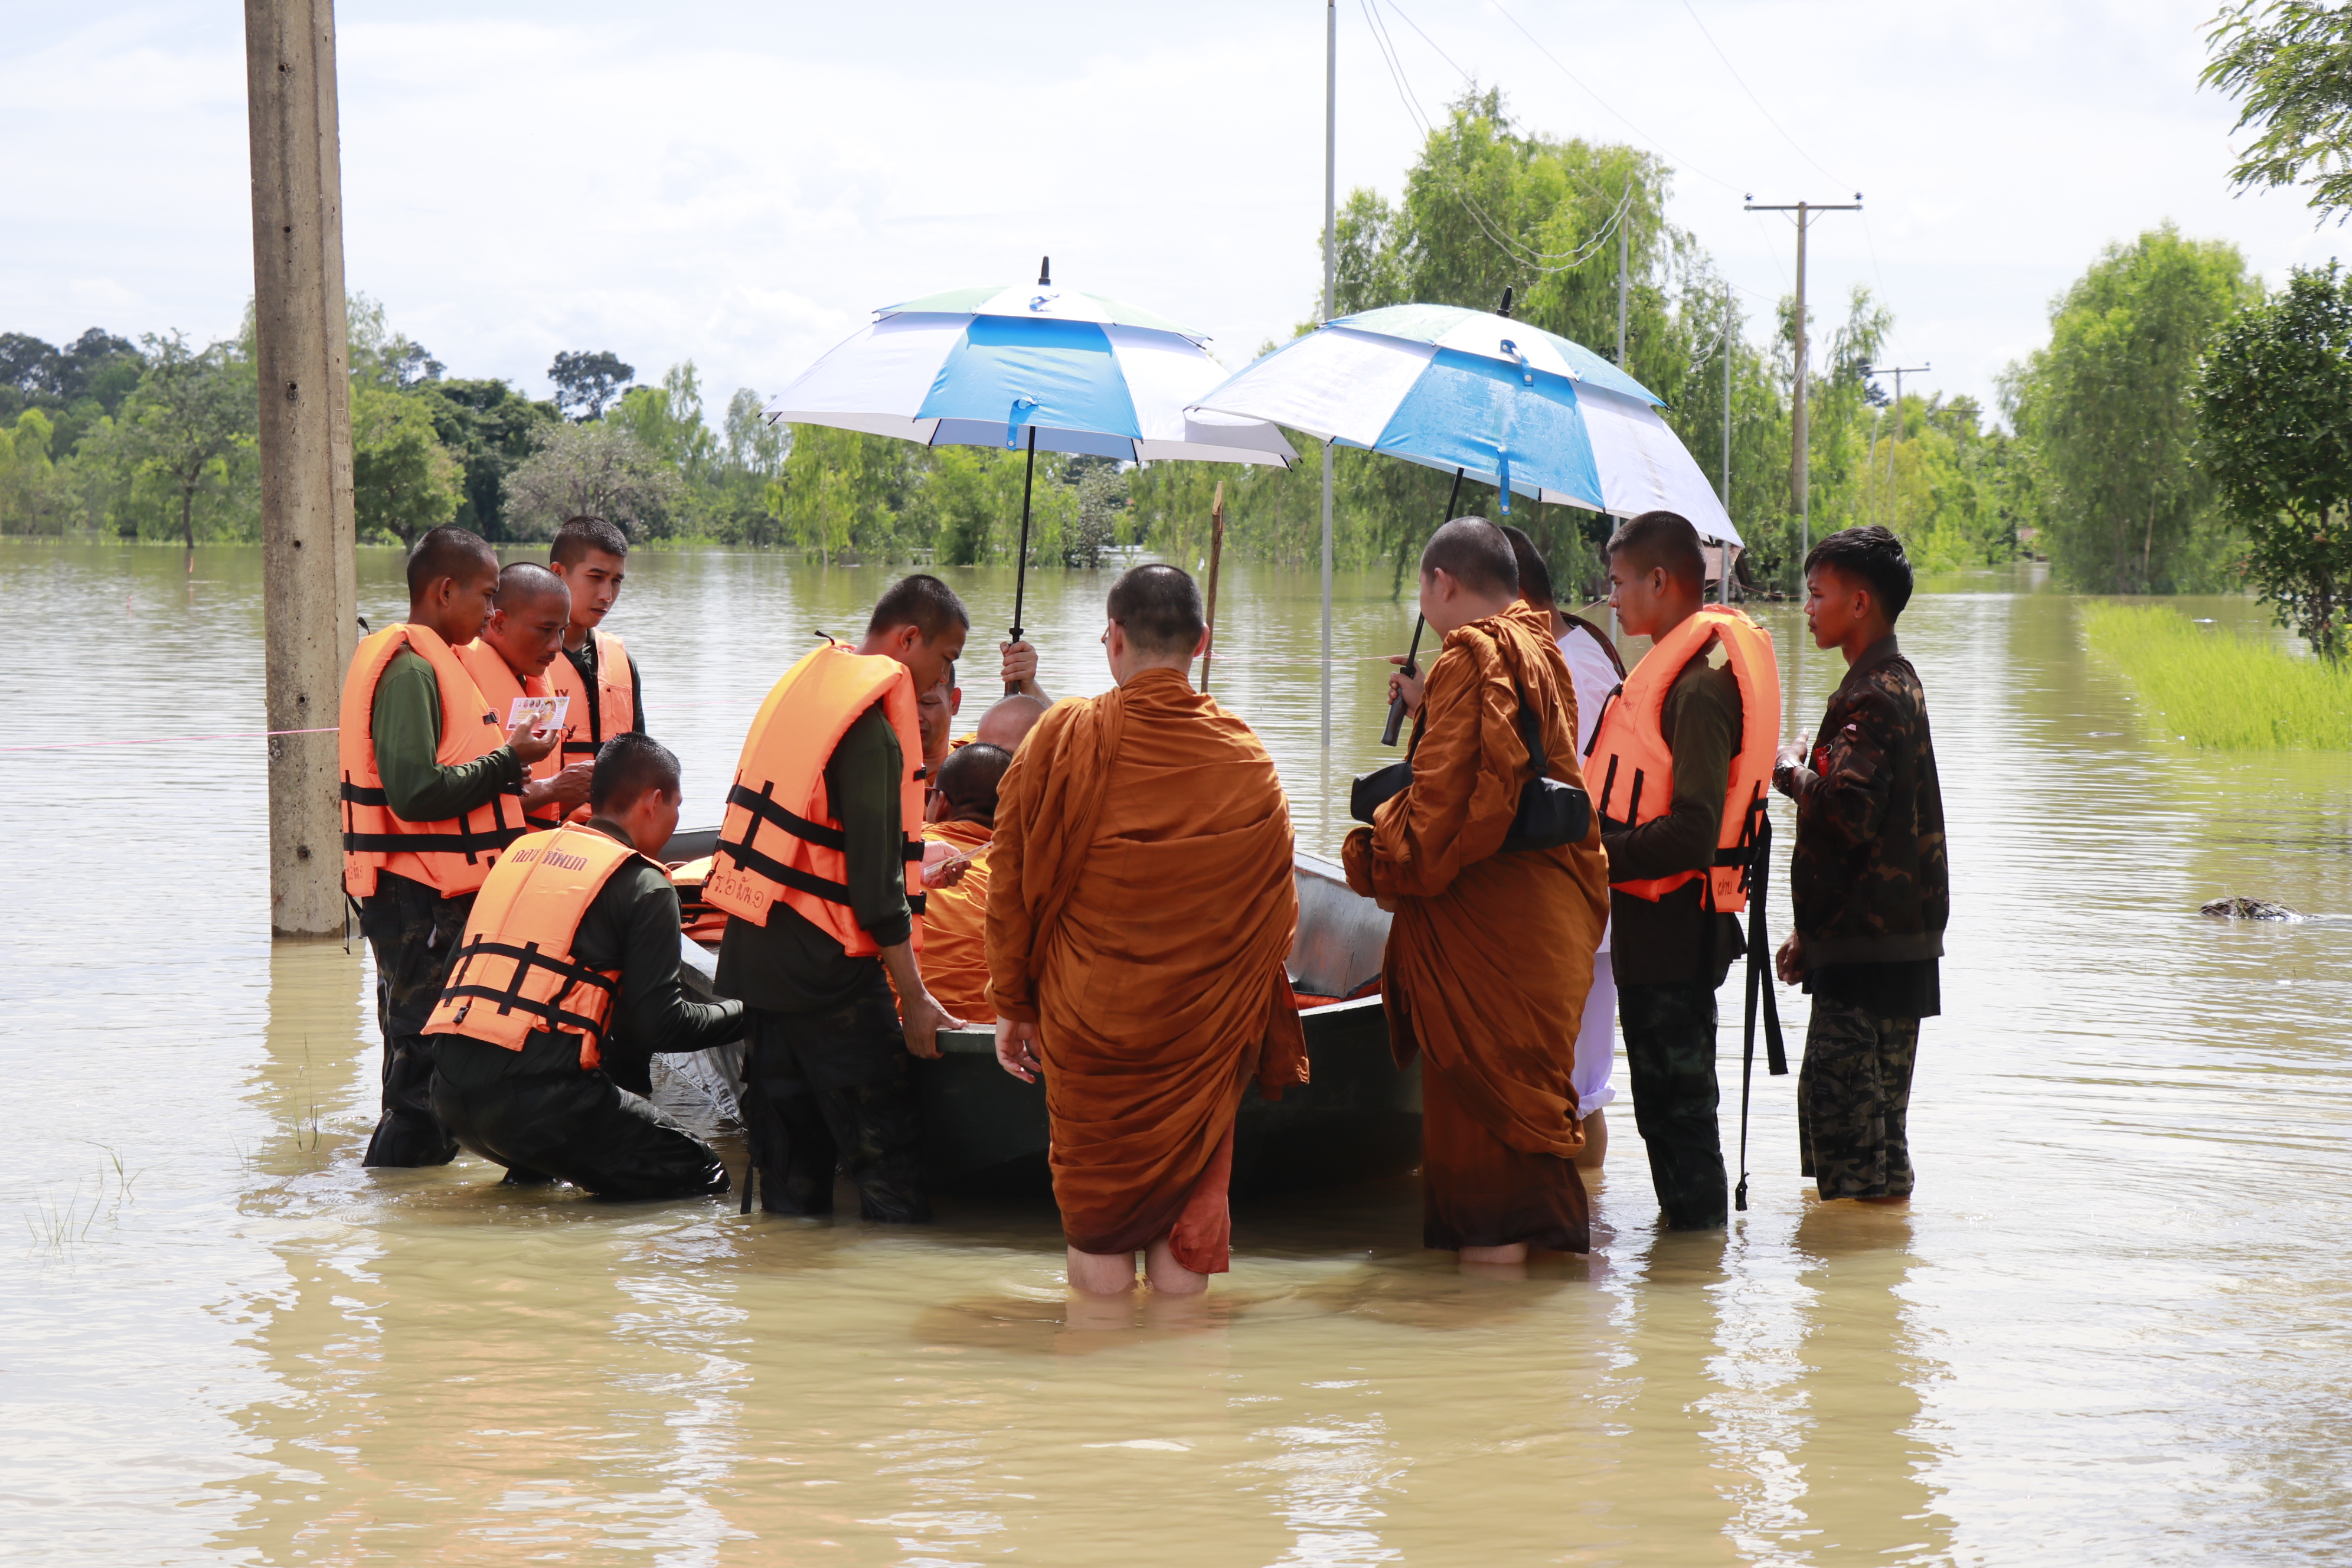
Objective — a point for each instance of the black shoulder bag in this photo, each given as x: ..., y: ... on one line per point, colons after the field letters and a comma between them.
x: 1550, y: 813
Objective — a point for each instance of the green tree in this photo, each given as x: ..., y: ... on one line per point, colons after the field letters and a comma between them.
x: 490, y: 427
x: 190, y: 414
x: 404, y: 480
x: 585, y: 382
x: 595, y: 467
x: 2289, y: 65
x: 2277, y: 409
x: 2108, y: 407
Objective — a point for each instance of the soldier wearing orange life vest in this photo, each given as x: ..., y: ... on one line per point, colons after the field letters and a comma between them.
x: 596, y: 671
x: 819, y: 865
x: 510, y: 660
x: 570, y: 953
x: 434, y: 788
x: 1678, y: 771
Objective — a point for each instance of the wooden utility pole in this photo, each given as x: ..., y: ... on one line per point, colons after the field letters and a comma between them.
x: 302, y: 354
x: 1799, y: 477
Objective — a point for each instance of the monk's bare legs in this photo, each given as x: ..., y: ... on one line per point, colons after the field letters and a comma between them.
x: 1169, y: 1277
x: 1113, y: 1273
x: 1511, y: 1252
x: 1102, y: 1273
x: 1596, y: 1141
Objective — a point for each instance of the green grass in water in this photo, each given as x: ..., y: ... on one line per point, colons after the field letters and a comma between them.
x: 2213, y: 688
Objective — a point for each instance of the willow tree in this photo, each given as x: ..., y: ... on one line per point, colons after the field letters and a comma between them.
x: 2276, y: 402
x: 2109, y: 409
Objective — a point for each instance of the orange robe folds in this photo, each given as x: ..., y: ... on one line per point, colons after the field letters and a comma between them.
x: 955, y: 956
x: 1490, y: 954
x: 1140, y: 910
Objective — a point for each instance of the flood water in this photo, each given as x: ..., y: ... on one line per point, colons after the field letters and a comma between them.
x: 2111, y: 1328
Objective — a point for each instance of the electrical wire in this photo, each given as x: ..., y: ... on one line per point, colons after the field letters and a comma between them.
x: 1653, y: 142
x: 1517, y: 250
x: 1750, y: 91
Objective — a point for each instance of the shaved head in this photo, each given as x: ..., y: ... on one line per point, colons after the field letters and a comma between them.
x: 968, y: 779
x: 526, y: 583
x: 1474, y: 553
x: 1005, y: 723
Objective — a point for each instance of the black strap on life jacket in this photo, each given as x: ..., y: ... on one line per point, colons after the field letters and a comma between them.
x: 1760, y: 979
x: 472, y: 843
x: 763, y: 808
x: 510, y: 997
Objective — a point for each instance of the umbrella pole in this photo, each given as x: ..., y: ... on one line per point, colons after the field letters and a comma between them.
x: 1216, y: 547
x: 1021, y: 580
x: 1396, y: 708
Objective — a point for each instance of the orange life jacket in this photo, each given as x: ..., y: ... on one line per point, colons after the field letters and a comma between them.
x: 780, y: 838
x: 498, y: 683
x: 1631, y: 770
x: 450, y: 857
x: 597, y: 716
x: 514, y: 974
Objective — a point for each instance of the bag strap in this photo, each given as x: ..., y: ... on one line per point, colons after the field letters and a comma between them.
x: 1760, y: 985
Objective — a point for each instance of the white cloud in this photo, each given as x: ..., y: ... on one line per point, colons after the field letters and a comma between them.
x: 741, y: 183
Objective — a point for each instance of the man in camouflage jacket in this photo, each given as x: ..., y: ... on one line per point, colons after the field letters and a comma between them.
x: 1868, y: 877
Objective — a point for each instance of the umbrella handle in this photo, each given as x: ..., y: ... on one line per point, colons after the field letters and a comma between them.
x: 1021, y: 579
x: 1396, y: 708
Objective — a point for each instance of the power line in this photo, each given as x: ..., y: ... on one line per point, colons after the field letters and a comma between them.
x: 1516, y: 249
x: 1750, y: 91
x: 1653, y: 142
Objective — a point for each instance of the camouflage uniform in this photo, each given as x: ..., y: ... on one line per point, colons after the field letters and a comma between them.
x: 1872, y: 892
x: 1853, y: 1098
x: 414, y: 933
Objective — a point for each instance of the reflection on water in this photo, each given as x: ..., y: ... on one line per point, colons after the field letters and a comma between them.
x: 2111, y: 1329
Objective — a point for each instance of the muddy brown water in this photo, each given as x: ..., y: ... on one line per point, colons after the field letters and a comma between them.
x: 2112, y: 1328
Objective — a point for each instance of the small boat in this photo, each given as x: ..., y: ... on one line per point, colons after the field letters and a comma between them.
x: 1357, y: 1117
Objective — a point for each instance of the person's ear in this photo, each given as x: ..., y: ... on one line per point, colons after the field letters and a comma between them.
x: 1201, y: 643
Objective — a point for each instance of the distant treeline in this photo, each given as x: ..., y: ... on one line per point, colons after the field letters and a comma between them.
x: 2100, y: 466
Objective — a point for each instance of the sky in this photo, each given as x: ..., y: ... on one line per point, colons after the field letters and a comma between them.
x: 741, y: 185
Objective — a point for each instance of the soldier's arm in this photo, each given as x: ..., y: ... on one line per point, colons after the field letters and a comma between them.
x: 406, y: 724
x: 1846, y: 794
x: 657, y: 1015
x: 861, y: 782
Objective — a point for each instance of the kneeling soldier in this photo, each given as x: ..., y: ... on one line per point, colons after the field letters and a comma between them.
x: 573, y: 943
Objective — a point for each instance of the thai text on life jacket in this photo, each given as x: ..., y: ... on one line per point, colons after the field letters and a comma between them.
x: 781, y: 839
x: 450, y: 857
x: 1629, y: 768
x: 514, y: 973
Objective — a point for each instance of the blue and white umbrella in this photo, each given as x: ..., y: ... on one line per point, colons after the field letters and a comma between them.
x: 1035, y: 368
x: 1077, y: 373
x: 1503, y: 402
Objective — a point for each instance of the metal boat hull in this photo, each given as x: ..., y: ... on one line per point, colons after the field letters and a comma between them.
x: 1357, y: 1116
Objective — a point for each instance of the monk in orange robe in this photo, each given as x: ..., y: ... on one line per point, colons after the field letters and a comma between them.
x: 955, y: 900
x: 1490, y: 954
x: 1141, y: 907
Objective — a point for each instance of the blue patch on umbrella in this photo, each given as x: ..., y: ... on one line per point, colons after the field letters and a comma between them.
x: 1067, y: 367
x: 1476, y: 413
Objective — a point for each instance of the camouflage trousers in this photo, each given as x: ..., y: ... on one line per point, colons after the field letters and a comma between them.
x: 414, y: 931
x: 1853, y: 1101
x: 1670, y: 1060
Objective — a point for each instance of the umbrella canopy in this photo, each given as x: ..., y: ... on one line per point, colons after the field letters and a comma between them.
x: 1511, y: 405
x: 979, y: 367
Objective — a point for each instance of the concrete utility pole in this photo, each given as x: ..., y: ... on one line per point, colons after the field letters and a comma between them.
x: 309, y: 600
x: 1898, y: 372
x: 1330, y: 272
x: 1799, y: 478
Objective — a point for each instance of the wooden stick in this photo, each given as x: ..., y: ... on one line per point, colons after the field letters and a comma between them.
x: 1216, y: 547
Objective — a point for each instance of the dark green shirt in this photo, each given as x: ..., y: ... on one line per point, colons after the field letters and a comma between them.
x: 406, y: 725
x: 791, y: 965
x: 632, y: 926
x: 1664, y: 940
